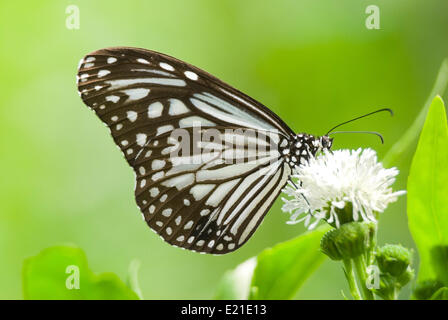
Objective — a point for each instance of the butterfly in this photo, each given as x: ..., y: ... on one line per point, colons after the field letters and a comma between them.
x: 203, y: 203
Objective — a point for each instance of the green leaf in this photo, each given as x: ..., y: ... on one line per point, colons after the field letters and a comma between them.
x: 235, y: 284
x: 441, y: 294
x: 281, y: 270
x: 428, y: 195
x: 424, y: 290
x: 54, y: 274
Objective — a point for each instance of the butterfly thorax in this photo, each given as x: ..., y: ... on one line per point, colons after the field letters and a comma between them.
x: 302, y: 147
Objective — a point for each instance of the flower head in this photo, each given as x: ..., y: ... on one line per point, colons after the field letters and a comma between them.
x: 340, y: 181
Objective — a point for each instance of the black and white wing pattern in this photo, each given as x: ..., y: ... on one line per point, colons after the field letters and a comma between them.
x: 199, y: 201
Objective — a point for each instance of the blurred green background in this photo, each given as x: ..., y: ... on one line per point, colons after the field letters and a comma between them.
x: 314, y: 63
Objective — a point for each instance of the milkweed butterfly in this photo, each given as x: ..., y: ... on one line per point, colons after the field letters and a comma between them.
x: 211, y: 200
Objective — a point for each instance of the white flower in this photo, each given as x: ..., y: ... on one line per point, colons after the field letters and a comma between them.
x: 332, y: 180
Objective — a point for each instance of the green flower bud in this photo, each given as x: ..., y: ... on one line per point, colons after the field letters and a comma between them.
x: 425, y: 289
x: 406, y: 277
x: 349, y: 241
x: 328, y: 245
x: 390, y: 285
x: 393, y: 259
x: 387, y: 289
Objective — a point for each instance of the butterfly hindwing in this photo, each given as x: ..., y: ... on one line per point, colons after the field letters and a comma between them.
x: 201, y: 202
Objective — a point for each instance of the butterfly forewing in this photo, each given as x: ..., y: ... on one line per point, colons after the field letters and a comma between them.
x: 200, y: 200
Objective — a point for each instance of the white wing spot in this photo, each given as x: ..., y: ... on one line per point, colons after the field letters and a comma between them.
x: 103, y: 73
x: 177, y: 107
x: 167, y: 150
x: 124, y: 142
x: 84, y: 77
x: 129, y: 151
x: 113, y: 98
x: 163, y: 198
x: 188, y: 225
x: 169, y: 231
x: 141, y: 139
x: 167, y: 212
x: 284, y: 143
x: 204, y: 212
x: 199, y: 191
x: 142, y: 183
x: 120, y: 83
x: 180, y: 238
x: 159, y: 223
x: 154, y: 192
x: 190, y: 240
x: 111, y: 60
x: 114, y: 118
x: 142, y: 170
x: 163, y: 129
x: 132, y: 115
x: 211, y: 243
x: 157, y: 164
x: 157, y: 176
x: 200, y: 243
x: 231, y: 246
x: 191, y: 75
x: 166, y: 66
x: 186, y: 202
x: 155, y: 110
x: 148, y: 153
x: 178, y: 220
x: 220, y: 247
x: 142, y: 61
x: 152, y: 208
x: 136, y: 94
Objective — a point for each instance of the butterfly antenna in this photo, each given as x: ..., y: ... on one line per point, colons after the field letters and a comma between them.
x: 368, y: 132
x: 360, y: 117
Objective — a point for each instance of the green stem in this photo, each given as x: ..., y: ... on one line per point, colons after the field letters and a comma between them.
x: 361, y: 271
x: 350, y: 275
x: 372, y: 246
x: 406, y: 140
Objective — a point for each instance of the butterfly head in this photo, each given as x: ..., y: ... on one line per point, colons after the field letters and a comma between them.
x: 325, y: 143
x: 305, y: 146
